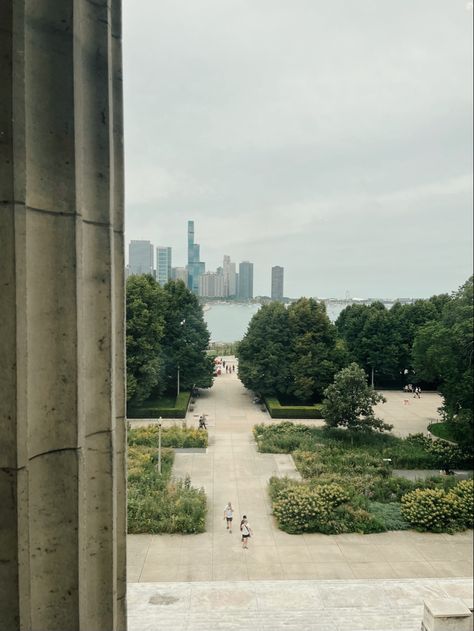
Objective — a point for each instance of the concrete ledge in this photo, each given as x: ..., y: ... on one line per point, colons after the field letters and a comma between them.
x: 190, y: 450
x: 446, y: 614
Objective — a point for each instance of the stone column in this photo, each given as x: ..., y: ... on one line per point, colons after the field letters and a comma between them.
x: 62, y: 404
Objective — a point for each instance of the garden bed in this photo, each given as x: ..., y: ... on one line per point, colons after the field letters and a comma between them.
x: 156, y: 502
x: 348, y: 484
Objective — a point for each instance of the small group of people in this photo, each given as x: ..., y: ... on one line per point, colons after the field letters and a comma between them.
x: 229, y: 368
x: 415, y: 389
x: 245, y: 530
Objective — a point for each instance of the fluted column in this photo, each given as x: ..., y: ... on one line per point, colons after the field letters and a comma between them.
x: 62, y: 461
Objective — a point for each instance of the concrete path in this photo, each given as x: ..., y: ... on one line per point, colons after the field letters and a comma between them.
x: 287, y: 605
x: 233, y: 470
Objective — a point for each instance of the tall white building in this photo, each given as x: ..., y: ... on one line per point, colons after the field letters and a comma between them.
x: 163, y: 264
x: 211, y: 285
x: 230, y: 280
x: 140, y: 257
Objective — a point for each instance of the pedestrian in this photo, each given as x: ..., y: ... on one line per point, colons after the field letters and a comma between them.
x: 228, y: 516
x: 233, y: 367
x: 418, y: 392
x: 246, y: 532
x: 223, y: 362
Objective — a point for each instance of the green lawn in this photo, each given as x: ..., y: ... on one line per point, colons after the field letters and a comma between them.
x: 442, y: 430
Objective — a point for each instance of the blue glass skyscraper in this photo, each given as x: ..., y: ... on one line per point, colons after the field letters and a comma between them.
x: 195, y: 267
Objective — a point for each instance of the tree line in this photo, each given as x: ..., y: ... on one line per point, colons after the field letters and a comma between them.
x: 165, y: 334
x: 294, y: 353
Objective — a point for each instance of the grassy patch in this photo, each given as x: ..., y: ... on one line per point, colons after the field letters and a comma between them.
x: 443, y: 430
x: 156, y: 503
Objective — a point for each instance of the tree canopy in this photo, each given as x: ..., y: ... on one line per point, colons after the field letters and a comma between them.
x: 443, y: 350
x: 290, y: 352
x: 165, y: 329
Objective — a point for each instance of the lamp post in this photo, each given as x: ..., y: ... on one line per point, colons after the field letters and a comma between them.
x: 182, y: 323
x: 159, y: 446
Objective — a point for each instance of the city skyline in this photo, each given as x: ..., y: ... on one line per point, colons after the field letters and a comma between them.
x: 297, y: 148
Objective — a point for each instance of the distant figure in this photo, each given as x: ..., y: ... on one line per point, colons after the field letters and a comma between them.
x: 233, y: 367
x: 246, y: 532
x: 202, y: 422
x: 223, y: 362
x: 228, y: 516
x: 417, y: 392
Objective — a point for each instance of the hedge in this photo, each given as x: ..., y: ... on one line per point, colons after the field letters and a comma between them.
x: 175, y: 437
x: 152, y: 409
x: 276, y: 410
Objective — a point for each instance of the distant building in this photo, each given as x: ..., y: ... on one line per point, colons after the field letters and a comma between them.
x: 163, y: 265
x: 277, y: 282
x: 230, y: 280
x: 211, y: 285
x: 195, y: 267
x: 140, y: 257
x: 246, y: 280
x: 179, y: 273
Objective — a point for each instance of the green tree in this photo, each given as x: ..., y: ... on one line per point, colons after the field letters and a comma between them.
x: 315, y: 356
x: 264, y: 352
x: 349, y: 402
x: 185, y: 341
x: 371, y: 340
x: 144, y: 333
x: 443, y: 351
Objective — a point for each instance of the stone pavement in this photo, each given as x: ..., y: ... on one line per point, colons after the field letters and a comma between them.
x: 382, y: 605
x: 233, y: 470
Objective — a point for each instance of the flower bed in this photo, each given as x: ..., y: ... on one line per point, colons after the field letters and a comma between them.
x: 157, y: 503
x: 358, y: 467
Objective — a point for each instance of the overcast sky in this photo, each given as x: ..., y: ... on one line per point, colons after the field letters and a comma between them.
x: 331, y: 137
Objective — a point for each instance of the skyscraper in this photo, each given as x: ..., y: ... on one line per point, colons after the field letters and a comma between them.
x: 277, y: 282
x: 163, y: 264
x: 179, y: 273
x: 230, y: 287
x: 140, y: 257
x: 246, y: 280
x: 195, y: 267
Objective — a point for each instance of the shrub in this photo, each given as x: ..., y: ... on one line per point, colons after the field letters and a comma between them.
x: 301, y: 509
x: 464, y: 492
x: 153, y: 408
x: 276, y: 410
x: 432, y: 510
x: 173, y: 436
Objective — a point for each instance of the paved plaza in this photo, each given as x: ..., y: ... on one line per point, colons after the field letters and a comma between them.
x: 233, y: 470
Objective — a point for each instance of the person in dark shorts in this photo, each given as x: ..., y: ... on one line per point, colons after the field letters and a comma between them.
x: 246, y: 532
x: 228, y: 516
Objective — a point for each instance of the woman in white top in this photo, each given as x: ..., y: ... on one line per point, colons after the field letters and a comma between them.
x: 228, y: 516
x: 246, y: 532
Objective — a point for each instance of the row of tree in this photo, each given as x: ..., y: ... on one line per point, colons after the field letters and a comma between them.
x: 167, y: 339
x: 294, y: 353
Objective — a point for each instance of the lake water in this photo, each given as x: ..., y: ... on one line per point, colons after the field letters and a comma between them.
x: 228, y: 322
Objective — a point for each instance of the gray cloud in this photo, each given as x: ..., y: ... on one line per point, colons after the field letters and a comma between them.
x: 333, y: 138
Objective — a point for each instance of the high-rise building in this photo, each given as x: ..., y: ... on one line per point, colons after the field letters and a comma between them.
x: 230, y: 284
x: 246, y: 280
x: 211, y: 285
x: 277, y: 282
x: 140, y: 257
x: 163, y: 264
x: 195, y: 267
x: 179, y: 273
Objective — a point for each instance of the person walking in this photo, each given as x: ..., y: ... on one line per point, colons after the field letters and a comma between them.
x: 228, y: 516
x: 246, y: 532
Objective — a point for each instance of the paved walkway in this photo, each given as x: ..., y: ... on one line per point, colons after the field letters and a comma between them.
x: 233, y: 470
x: 287, y: 605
